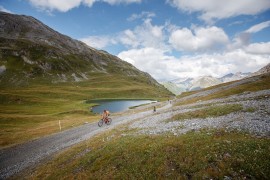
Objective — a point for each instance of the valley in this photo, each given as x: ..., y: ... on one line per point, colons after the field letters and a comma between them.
x: 197, y: 128
x: 197, y: 134
x: 46, y: 77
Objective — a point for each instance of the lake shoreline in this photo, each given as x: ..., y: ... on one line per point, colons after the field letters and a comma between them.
x: 117, y: 105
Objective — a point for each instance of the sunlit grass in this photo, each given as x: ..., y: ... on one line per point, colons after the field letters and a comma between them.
x: 206, y: 154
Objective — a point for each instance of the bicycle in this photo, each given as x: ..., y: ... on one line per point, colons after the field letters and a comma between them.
x: 107, y: 121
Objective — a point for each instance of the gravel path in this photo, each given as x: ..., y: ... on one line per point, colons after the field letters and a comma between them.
x: 15, y: 159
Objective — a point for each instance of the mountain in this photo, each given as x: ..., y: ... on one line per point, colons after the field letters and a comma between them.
x: 172, y: 87
x: 203, y: 82
x: 264, y: 70
x: 233, y: 77
x: 191, y: 84
x: 32, y: 53
x: 183, y: 83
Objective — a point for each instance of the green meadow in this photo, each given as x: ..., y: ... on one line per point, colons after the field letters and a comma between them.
x: 29, y: 112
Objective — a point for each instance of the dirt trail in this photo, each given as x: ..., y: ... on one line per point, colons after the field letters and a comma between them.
x: 15, y: 159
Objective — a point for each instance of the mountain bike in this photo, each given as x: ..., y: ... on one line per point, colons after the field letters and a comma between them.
x: 107, y: 121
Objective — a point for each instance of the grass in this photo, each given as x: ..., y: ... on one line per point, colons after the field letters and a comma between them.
x: 202, y: 105
x: 34, y: 111
x: 250, y: 109
x: 262, y: 84
x: 212, y: 111
x: 118, y: 154
x: 31, y: 105
x: 184, y: 94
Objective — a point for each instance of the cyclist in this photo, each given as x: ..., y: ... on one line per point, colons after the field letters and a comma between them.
x: 105, y: 115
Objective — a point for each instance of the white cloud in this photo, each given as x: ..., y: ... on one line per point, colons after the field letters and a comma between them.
x: 60, y: 5
x: 258, y: 27
x: 145, y: 35
x: 202, y: 39
x: 129, y: 38
x: 5, y: 10
x: 66, y: 5
x: 143, y: 14
x: 240, y: 41
x: 89, y: 3
x: 151, y: 50
x: 151, y: 60
x: 258, y: 48
x: 112, y: 2
x: 215, y: 9
x: 162, y: 66
x: 243, y: 39
x: 98, y: 42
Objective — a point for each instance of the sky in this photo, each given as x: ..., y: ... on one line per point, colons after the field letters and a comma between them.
x: 169, y: 39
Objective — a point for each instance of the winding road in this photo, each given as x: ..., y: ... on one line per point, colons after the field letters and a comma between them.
x: 15, y: 159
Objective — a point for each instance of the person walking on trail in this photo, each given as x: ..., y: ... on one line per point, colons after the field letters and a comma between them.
x: 154, y: 108
x: 105, y: 115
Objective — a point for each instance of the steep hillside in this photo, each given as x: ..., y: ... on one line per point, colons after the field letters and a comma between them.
x: 33, y: 53
x: 233, y: 77
x: 263, y: 70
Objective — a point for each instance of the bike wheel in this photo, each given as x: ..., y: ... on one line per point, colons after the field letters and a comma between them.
x: 109, y: 121
x: 100, y: 122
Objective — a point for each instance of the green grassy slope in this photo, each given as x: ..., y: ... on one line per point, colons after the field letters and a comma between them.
x: 46, y: 77
x: 208, y: 154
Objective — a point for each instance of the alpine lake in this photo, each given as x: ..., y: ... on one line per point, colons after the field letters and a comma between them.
x: 115, y: 105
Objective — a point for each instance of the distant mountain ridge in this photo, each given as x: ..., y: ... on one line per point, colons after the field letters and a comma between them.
x: 191, y: 84
x: 173, y: 87
x: 233, y: 77
x: 33, y: 53
x: 204, y: 82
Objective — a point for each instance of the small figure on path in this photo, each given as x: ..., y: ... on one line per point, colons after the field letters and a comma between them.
x: 105, y: 115
x: 105, y: 118
x: 154, y: 108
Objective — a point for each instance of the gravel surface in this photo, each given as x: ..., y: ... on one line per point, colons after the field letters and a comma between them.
x: 257, y: 122
x: 16, y: 159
